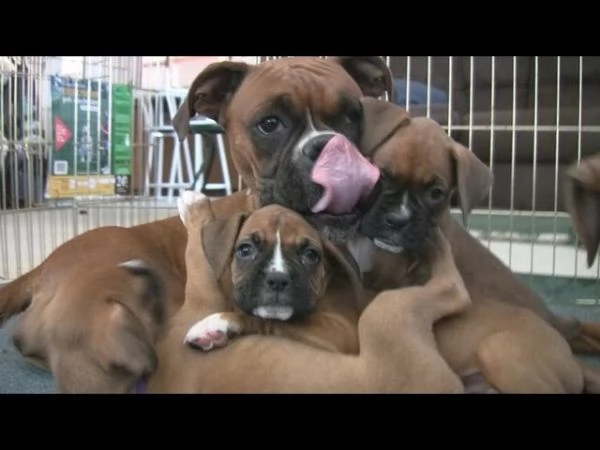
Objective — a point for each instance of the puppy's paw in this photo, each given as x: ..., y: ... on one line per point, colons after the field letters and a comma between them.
x: 212, y: 331
x: 185, y: 205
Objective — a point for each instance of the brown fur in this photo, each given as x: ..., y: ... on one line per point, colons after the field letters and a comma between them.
x: 331, y: 326
x: 397, y: 354
x: 92, y: 323
x: 215, y: 94
x: 500, y: 335
x: 93, y: 256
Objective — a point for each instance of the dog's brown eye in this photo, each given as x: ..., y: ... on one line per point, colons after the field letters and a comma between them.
x: 310, y: 256
x: 245, y: 251
x: 269, y: 125
x: 436, y: 193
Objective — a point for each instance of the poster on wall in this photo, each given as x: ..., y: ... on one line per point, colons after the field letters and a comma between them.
x: 122, y: 146
x: 92, y: 139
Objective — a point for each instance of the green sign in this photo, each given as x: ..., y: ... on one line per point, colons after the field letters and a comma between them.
x: 92, y: 127
x: 122, y: 129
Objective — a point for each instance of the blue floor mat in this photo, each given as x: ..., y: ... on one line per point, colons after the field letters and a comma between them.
x: 17, y: 376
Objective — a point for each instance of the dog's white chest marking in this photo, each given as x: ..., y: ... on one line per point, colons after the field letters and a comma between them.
x: 362, y: 250
x: 277, y: 263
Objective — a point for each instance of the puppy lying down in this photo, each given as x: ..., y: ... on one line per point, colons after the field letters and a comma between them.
x: 277, y: 274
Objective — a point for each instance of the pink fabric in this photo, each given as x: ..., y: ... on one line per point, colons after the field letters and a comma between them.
x: 345, y: 174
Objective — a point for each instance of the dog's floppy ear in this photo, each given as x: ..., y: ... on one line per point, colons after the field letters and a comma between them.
x: 209, y: 93
x: 371, y: 73
x: 582, y: 191
x: 380, y: 120
x: 340, y: 259
x: 218, y: 239
x: 473, y: 178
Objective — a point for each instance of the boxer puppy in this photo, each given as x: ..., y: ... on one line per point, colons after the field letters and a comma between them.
x: 281, y: 115
x: 582, y: 190
x: 280, y: 277
x: 293, y: 127
x: 483, y: 272
x: 514, y: 349
x: 398, y: 352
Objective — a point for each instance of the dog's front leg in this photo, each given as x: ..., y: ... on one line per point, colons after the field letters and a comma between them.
x: 195, y: 212
x: 321, y: 330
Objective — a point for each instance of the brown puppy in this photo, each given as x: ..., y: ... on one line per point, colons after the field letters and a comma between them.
x: 514, y: 349
x: 582, y: 189
x: 272, y: 142
x: 483, y: 272
x: 397, y: 354
x: 100, y: 305
x: 280, y: 277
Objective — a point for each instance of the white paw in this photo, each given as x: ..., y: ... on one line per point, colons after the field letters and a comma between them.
x: 212, y: 331
x: 187, y: 199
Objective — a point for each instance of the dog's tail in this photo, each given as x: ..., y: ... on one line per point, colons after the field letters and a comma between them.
x: 16, y: 296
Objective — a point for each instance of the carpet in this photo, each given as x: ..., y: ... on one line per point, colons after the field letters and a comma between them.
x: 17, y: 376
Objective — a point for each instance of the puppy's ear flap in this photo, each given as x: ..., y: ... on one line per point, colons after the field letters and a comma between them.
x: 371, y: 73
x: 473, y: 179
x: 218, y: 239
x: 127, y: 343
x: 582, y: 190
x: 380, y: 120
x: 209, y: 93
x: 340, y: 260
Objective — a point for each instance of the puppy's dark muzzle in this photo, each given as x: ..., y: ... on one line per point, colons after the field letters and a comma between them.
x: 277, y: 282
x: 367, y: 203
x: 396, y: 221
x: 313, y: 148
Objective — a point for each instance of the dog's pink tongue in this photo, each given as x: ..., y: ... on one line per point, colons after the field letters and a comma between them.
x: 345, y: 174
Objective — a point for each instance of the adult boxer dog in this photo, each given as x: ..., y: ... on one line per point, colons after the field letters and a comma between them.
x: 277, y: 116
x: 293, y: 126
x: 398, y: 352
x: 514, y: 348
x: 279, y: 277
x: 582, y: 193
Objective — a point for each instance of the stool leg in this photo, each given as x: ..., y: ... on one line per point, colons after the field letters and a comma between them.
x: 224, y: 164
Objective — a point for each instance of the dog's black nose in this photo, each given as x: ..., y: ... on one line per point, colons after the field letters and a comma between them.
x: 397, y: 221
x: 278, y: 281
x: 315, y: 146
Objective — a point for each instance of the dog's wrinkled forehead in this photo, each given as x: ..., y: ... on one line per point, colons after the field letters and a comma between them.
x: 302, y: 84
x: 417, y: 153
x: 274, y: 222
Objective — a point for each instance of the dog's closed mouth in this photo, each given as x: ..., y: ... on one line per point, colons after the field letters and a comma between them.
x: 282, y: 313
x: 388, y: 246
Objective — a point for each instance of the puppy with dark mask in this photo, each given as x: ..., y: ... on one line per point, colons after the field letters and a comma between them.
x: 279, y: 275
x: 495, y: 345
